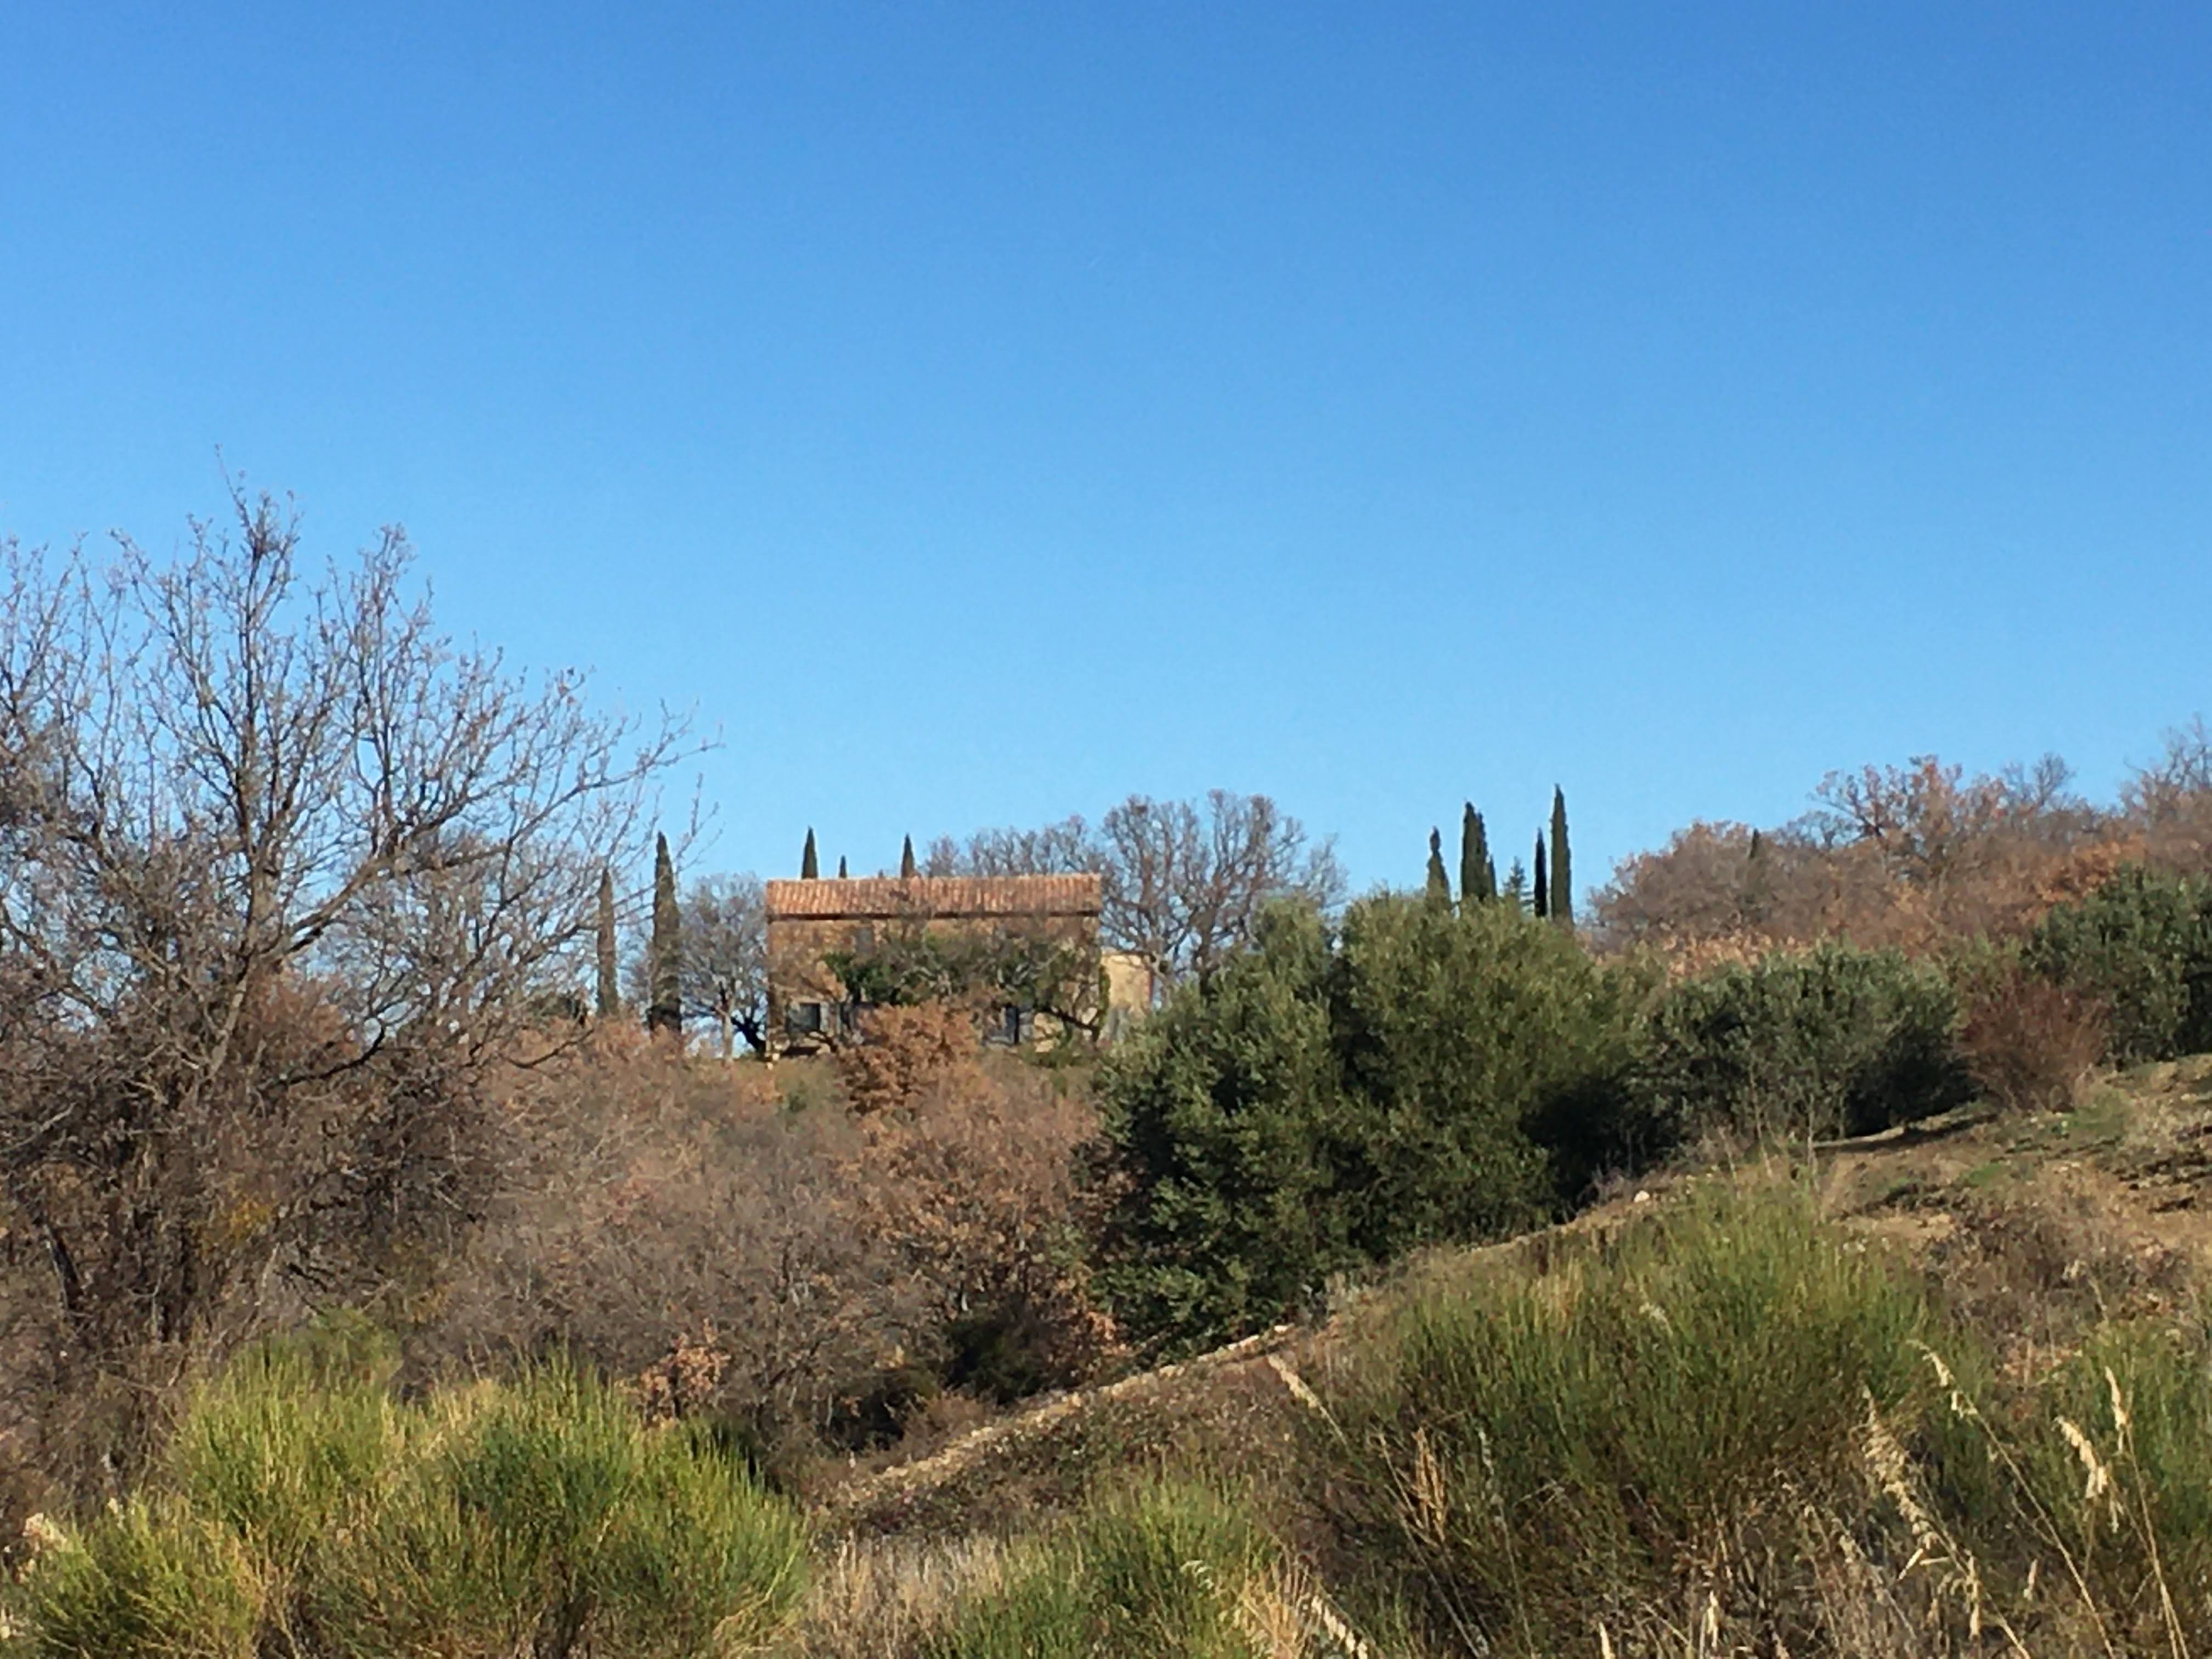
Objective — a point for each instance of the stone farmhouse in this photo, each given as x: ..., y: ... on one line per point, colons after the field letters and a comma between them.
x: 810, y: 1008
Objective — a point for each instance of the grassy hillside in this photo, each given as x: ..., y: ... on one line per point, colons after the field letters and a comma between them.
x: 1944, y: 1390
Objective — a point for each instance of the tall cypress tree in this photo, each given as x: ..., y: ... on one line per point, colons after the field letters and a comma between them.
x: 840, y: 866
x: 1478, y: 876
x: 1540, y: 887
x: 906, y: 860
x: 610, y: 979
x: 809, y: 868
x: 1439, y: 885
x: 665, y: 963
x: 1758, y: 883
x: 1562, y: 881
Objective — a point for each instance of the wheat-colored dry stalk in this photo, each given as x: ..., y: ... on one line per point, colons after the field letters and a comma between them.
x: 2097, y: 1475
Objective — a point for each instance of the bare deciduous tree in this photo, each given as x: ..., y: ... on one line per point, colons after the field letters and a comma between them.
x: 723, y: 958
x: 1185, y: 881
x: 1908, y: 856
x: 2170, y: 800
x: 282, y: 868
x: 1924, y: 819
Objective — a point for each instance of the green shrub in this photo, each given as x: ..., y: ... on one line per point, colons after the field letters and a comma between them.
x: 283, y: 1444
x: 547, y: 1512
x: 1218, y: 1108
x: 146, y: 1580
x: 323, y: 1517
x: 1156, y: 1571
x: 699, y: 1559
x: 2142, y: 944
x: 1319, y: 1104
x: 1480, y: 1058
x: 1815, y: 1044
x: 1511, y: 1451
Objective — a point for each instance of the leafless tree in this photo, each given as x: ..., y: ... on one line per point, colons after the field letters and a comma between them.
x: 2170, y: 800
x: 1185, y: 881
x: 722, y: 958
x: 1068, y: 847
x: 1924, y: 818
x: 1908, y: 856
x: 282, y: 870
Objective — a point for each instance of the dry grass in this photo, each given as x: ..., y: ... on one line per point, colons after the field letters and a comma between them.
x: 877, y: 1598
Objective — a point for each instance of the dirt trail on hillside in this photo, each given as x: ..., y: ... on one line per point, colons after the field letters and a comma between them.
x: 885, y: 1491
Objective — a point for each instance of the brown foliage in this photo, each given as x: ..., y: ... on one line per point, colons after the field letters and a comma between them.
x: 672, y: 1220
x: 2170, y: 801
x: 2032, y: 1045
x: 906, y: 1051
x: 1910, y: 857
x: 975, y: 1185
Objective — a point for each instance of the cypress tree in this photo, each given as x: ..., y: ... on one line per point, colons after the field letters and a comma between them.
x: 840, y: 866
x: 666, y: 1012
x: 906, y: 860
x: 1478, y: 876
x: 610, y: 979
x: 1563, y: 882
x: 1757, y: 882
x: 1540, y: 886
x: 809, y: 868
x: 1439, y: 886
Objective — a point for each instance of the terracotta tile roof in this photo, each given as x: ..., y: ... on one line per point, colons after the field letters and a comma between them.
x: 859, y: 898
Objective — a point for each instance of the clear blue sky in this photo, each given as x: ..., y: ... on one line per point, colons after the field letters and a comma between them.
x: 979, y: 413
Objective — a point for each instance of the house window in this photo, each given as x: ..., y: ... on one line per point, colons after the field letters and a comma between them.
x: 805, y: 1017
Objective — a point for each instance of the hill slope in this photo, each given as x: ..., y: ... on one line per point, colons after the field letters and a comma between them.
x: 2024, y: 1253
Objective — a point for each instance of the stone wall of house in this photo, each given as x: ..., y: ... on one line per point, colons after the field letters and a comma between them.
x: 808, y: 921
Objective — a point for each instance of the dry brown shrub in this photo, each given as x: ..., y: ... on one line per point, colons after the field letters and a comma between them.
x: 685, y: 1381
x: 906, y: 1051
x: 2031, y: 1045
x: 2080, y: 871
x: 978, y: 1183
x: 1912, y: 858
x: 673, y: 1221
x: 1687, y: 956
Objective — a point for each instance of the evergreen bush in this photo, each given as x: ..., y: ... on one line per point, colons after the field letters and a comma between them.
x: 2142, y: 945
x: 1814, y: 1044
x: 1321, y: 1103
x: 1219, y: 1108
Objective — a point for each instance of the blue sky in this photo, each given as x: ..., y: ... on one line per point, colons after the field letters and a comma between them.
x: 979, y: 413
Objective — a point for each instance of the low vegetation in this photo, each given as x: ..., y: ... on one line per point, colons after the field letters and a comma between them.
x: 302, y: 1507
